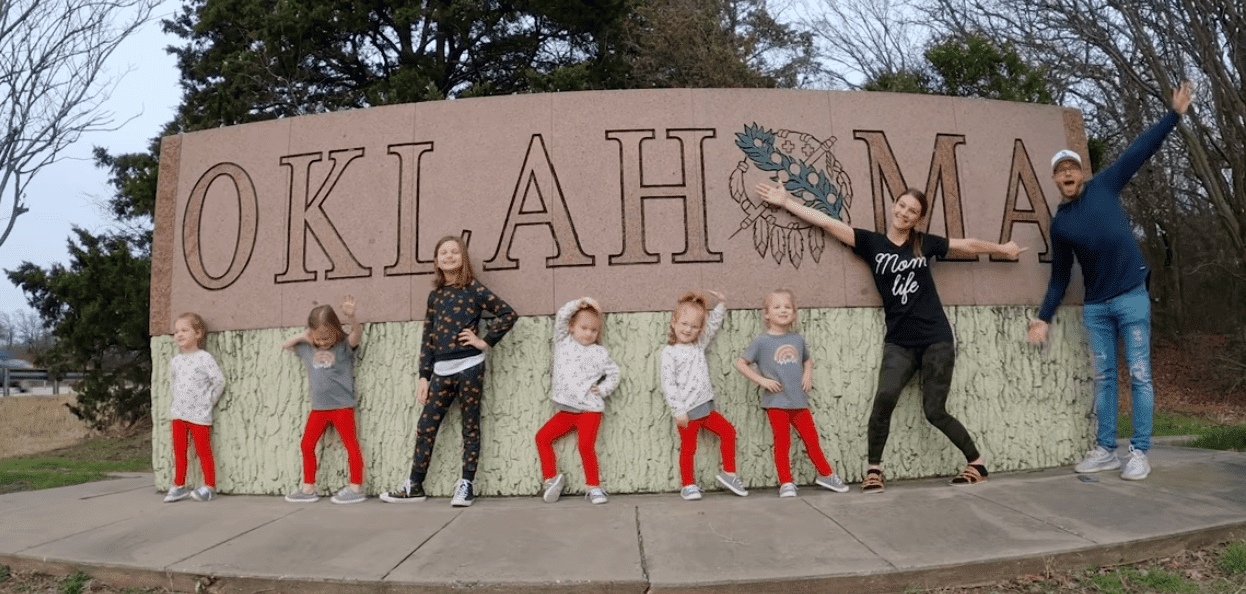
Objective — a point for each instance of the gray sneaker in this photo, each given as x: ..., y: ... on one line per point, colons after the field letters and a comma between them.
x: 298, y: 496
x: 1098, y: 459
x: 596, y: 495
x: 733, y: 482
x: 176, y: 493
x: 348, y: 495
x: 787, y: 490
x: 1137, y: 467
x: 690, y: 493
x: 832, y: 482
x: 203, y: 493
x: 553, y: 488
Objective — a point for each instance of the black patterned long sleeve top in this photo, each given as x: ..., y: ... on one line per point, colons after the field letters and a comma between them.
x: 452, y: 309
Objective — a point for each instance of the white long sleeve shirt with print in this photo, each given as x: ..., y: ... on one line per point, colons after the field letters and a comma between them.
x: 577, y: 367
x: 685, y: 370
x: 197, y: 385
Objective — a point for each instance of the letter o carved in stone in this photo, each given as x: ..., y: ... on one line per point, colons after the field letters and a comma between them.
x: 248, y: 215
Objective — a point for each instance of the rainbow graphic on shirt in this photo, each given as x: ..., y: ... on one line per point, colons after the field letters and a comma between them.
x: 787, y: 355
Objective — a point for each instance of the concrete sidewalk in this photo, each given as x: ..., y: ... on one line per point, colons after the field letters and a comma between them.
x: 917, y: 533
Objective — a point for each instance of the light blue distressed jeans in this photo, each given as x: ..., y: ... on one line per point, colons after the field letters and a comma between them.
x: 1126, y: 316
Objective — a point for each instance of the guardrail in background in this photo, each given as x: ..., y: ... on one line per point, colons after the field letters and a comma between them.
x: 11, y: 377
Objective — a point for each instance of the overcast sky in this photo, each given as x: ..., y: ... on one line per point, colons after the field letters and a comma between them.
x: 72, y: 191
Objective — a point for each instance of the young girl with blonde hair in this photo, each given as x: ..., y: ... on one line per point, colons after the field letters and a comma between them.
x: 197, y: 384
x: 785, y: 373
x: 583, y: 376
x: 328, y: 353
x: 687, y: 388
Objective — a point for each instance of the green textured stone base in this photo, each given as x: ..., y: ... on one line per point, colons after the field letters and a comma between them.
x: 1024, y: 405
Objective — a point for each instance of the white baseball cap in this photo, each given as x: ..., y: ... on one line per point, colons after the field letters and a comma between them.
x: 1065, y: 154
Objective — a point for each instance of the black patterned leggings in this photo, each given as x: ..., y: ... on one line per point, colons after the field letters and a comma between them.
x: 467, y: 386
x: 899, y: 364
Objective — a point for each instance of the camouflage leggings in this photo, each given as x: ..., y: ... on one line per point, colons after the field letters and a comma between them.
x: 467, y: 386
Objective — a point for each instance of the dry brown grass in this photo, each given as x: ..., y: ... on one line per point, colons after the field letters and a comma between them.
x: 30, y: 424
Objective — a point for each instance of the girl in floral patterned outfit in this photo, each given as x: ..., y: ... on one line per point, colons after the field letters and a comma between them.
x: 452, y: 360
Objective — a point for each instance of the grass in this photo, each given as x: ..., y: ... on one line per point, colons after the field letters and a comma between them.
x: 91, y: 460
x: 1212, y: 570
x: 1165, y: 423
x: 1222, y: 438
x: 1209, y: 433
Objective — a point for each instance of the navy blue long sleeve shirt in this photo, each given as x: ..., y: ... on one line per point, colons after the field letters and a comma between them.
x: 1094, y: 229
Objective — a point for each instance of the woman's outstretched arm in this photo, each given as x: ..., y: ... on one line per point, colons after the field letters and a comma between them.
x: 777, y: 196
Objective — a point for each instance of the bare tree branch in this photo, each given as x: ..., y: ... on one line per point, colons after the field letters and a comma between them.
x: 53, y: 81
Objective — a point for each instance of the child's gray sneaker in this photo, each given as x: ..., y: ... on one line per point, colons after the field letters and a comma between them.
x: 787, y: 490
x: 203, y: 493
x: 463, y: 494
x: 690, y: 493
x: 596, y: 495
x: 407, y: 492
x: 733, y: 482
x: 553, y: 488
x: 299, y: 496
x: 348, y: 495
x: 1098, y: 459
x: 1137, y: 468
x: 176, y: 493
x: 832, y: 482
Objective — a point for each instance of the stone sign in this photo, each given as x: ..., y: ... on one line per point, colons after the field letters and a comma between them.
x: 632, y: 197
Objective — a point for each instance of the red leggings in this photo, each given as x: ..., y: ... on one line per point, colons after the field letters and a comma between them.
x: 203, y: 448
x: 802, y: 420
x: 342, y: 419
x: 716, y: 424
x: 562, y: 423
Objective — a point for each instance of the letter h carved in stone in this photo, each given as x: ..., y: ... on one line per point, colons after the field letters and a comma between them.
x: 691, y: 190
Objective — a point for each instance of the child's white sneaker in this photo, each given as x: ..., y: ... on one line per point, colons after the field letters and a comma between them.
x: 690, y: 492
x: 787, y: 490
x: 176, y: 493
x: 596, y: 495
x: 203, y: 493
x: 553, y: 488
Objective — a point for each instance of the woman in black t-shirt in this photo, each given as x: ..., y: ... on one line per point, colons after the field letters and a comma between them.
x: 919, y: 336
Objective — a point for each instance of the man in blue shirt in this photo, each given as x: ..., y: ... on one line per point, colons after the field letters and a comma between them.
x: 1091, y: 226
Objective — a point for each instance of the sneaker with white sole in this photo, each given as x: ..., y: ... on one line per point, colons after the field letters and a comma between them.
x: 463, y: 494
x: 203, y: 493
x: 348, y: 495
x: 596, y: 495
x: 1098, y: 459
x: 787, y: 490
x: 690, y: 492
x: 176, y: 493
x: 832, y: 482
x: 733, y: 483
x: 553, y: 488
x: 301, y: 496
x: 1137, y: 468
x: 407, y: 492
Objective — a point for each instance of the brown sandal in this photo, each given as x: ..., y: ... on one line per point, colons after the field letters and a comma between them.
x: 971, y: 475
x: 874, y: 482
